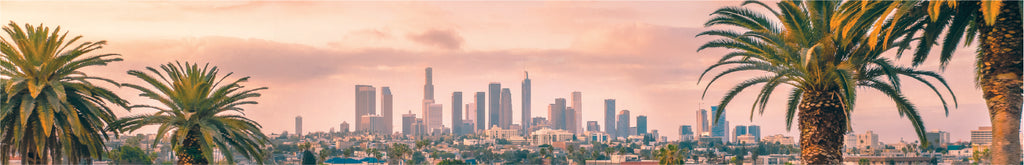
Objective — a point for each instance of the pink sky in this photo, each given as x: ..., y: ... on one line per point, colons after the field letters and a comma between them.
x: 311, y: 54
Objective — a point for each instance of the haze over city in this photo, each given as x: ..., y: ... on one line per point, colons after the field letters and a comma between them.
x: 311, y: 55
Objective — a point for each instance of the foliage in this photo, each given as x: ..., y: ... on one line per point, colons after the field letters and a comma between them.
x: 199, y: 112
x: 451, y: 162
x: 129, y: 155
x: 49, y: 108
x: 308, y: 157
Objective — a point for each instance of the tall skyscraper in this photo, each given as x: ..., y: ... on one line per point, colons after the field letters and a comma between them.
x: 298, y: 126
x: 560, y: 109
x: 471, y: 113
x: 609, y: 117
x: 641, y: 124
x: 702, y: 123
x: 623, y: 124
x: 754, y: 130
x: 506, y: 108
x: 428, y: 87
x: 386, y: 109
x: 407, y: 123
x: 527, y: 110
x: 374, y: 124
x: 481, y: 111
x: 457, y: 113
x: 434, y: 121
x: 427, y: 114
x: 570, y: 118
x: 720, y: 128
x: 740, y: 130
x: 685, y: 133
x: 592, y: 126
x: 577, y: 106
x: 493, y: 109
x: 366, y: 101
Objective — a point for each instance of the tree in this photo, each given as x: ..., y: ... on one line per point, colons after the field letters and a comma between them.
x: 322, y: 156
x: 129, y: 155
x: 199, y: 112
x: 800, y: 46
x: 397, y: 152
x: 669, y: 155
x: 997, y: 27
x: 308, y: 157
x: 49, y: 108
x: 451, y: 162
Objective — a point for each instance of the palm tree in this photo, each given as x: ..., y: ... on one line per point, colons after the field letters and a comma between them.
x: 397, y: 152
x: 200, y: 113
x: 669, y: 155
x: 49, y: 108
x: 998, y: 29
x: 799, y: 45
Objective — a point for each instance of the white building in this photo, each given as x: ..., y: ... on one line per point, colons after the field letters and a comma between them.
x: 549, y: 136
x: 779, y: 138
x: 982, y: 136
x: 498, y: 133
x: 746, y: 139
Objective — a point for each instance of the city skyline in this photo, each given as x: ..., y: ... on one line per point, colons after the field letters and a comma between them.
x: 312, y: 76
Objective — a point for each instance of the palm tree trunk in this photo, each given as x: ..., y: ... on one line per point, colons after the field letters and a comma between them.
x: 822, y: 125
x: 999, y: 66
x: 190, y: 151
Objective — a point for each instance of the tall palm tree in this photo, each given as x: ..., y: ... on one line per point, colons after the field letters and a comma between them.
x: 798, y: 45
x: 49, y: 108
x: 199, y: 112
x: 997, y: 27
x: 669, y: 155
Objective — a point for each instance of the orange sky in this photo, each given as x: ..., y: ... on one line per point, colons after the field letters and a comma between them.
x: 311, y: 54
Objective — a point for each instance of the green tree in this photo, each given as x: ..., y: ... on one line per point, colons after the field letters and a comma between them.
x: 995, y: 25
x: 308, y: 157
x: 397, y: 152
x: 451, y: 162
x: 129, y: 155
x: 669, y: 155
x: 200, y: 113
x: 49, y: 108
x: 799, y: 44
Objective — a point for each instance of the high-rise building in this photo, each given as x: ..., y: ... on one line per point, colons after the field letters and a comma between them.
x: 720, y: 128
x: 553, y: 115
x: 560, y: 109
x: 740, y: 130
x: 754, y: 130
x: 527, y: 110
x: 592, y: 126
x: 481, y: 111
x: 685, y: 133
x: 366, y: 101
x: 471, y: 113
x: 937, y: 137
x: 467, y: 127
x: 541, y: 121
x: 434, y: 120
x: 344, y: 127
x: 982, y: 136
x: 407, y: 123
x: 609, y: 117
x: 641, y: 125
x: 701, y: 123
x: 428, y: 87
x: 570, y: 118
x: 386, y: 109
x: 494, y: 107
x: 426, y: 114
x: 457, y: 113
x: 577, y: 106
x: 298, y: 126
x: 506, y: 108
x: 419, y: 127
x: 868, y: 140
x: 374, y: 124
x: 623, y: 124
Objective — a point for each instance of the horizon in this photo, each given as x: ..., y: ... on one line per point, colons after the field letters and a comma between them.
x: 311, y: 54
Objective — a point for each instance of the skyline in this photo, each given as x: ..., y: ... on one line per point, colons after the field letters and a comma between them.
x: 650, y: 73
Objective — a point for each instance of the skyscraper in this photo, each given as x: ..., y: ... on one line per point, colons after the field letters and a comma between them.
x: 623, y: 124
x: 553, y: 115
x: 577, y: 106
x: 560, y: 109
x: 428, y: 87
x: 685, y: 133
x: 592, y: 126
x: 344, y: 127
x: 493, y: 109
x: 426, y: 114
x: 702, y: 123
x: 298, y: 126
x: 720, y: 128
x: 609, y: 117
x: 407, y: 123
x: 570, y: 118
x: 457, y: 113
x: 740, y: 130
x: 754, y: 130
x: 434, y: 121
x: 481, y: 111
x: 366, y: 101
x: 527, y: 110
x: 386, y: 109
x: 641, y: 124
x: 506, y: 108
x: 471, y: 113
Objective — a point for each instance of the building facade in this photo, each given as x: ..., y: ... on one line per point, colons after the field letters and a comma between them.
x: 387, y: 109
x: 622, y: 124
x: 366, y: 101
x: 457, y: 113
x: 494, y: 107
x: 527, y: 112
x: 609, y: 117
x: 577, y: 106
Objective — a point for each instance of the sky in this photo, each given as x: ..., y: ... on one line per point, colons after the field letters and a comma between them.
x: 312, y: 54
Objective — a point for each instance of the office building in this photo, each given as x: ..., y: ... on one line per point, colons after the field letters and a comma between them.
x: 373, y: 123
x: 720, y: 128
x: 739, y: 130
x: 427, y: 114
x: 457, y: 113
x: 428, y: 86
x: 344, y: 127
x: 623, y: 124
x: 481, y: 111
x: 779, y: 139
x: 366, y: 102
x: 494, y: 107
x: 755, y: 131
x: 982, y: 136
x: 577, y: 106
x: 558, y: 121
x: 592, y: 126
x: 701, y: 122
x: 570, y: 118
x: 609, y: 117
x: 434, y: 120
x: 407, y: 122
x: 868, y: 140
x: 387, y: 109
x: 527, y: 112
x: 685, y: 133
x: 298, y: 126
x: 937, y: 137
x: 541, y: 121
x: 641, y: 125
x: 506, y: 108
x: 553, y: 115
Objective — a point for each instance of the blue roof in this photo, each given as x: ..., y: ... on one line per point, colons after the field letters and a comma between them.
x: 371, y: 160
x: 337, y: 160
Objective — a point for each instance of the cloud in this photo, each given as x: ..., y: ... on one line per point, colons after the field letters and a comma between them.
x: 445, y: 39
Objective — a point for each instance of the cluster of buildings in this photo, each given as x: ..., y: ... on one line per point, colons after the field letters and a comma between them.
x: 709, y: 130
